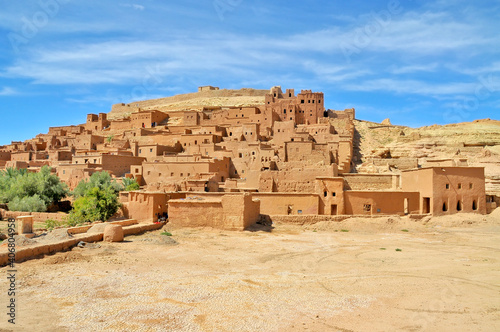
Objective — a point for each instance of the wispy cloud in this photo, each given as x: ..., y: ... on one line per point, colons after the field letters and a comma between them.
x: 134, y: 6
x: 7, y: 91
x: 412, y: 87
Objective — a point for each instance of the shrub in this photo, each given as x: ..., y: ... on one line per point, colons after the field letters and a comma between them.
x: 28, y: 204
x: 17, y: 186
x: 97, y: 204
x: 50, y: 224
x: 130, y: 184
x: 101, y: 180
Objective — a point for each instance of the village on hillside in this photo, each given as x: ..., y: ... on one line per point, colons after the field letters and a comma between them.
x: 228, y: 166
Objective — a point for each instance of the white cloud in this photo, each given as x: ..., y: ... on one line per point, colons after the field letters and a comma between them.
x: 414, y: 68
x: 412, y: 87
x: 134, y: 6
x: 7, y: 91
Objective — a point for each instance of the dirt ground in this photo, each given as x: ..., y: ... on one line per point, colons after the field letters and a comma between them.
x: 387, y: 274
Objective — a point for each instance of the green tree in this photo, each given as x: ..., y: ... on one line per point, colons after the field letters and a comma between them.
x: 17, y: 186
x: 130, y: 184
x: 96, y: 204
x: 101, y: 180
x: 28, y: 203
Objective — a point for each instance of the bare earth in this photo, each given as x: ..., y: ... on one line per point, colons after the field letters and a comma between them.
x: 344, y: 276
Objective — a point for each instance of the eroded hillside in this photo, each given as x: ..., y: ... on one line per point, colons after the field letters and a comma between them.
x: 197, y: 101
x: 388, y: 148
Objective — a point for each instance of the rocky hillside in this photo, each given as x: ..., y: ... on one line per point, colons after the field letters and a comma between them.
x: 197, y: 100
x: 383, y: 148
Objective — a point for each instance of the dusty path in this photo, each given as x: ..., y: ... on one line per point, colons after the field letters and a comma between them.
x: 315, y: 278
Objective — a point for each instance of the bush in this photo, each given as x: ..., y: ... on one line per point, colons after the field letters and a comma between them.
x: 50, y: 224
x: 28, y: 204
x: 101, y: 180
x: 130, y: 184
x: 97, y: 204
x: 16, y: 186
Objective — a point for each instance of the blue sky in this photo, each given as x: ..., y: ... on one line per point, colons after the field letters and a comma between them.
x: 416, y: 62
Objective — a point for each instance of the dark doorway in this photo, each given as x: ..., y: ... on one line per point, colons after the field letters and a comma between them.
x: 334, y: 211
x: 426, y: 207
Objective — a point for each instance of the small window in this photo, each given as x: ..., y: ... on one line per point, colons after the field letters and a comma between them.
x: 367, y: 207
x: 150, y: 150
x: 64, y: 172
x: 334, y: 194
x: 471, y: 186
x: 240, y: 155
x: 182, y: 174
x: 284, y: 111
x: 447, y: 186
x: 459, y: 186
x: 313, y: 101
x: 253, y: 153
x: 172, y: 174
x: 299, y: 211
x: 302, y: 101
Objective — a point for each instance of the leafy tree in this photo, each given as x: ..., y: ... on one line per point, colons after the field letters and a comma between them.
x: 16, y: 186
x: 28, y: 203
x: 96, y: 204
x: 96, y: 199
x: 130, y: 184
x: 101, y: 180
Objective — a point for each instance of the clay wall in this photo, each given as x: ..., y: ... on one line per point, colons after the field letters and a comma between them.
x: 331, y: 194
x: 359, y: 181
x: 191, y: 118
x: 288, y: 203
x: 448, y: 190
x: 399, y: 163
x: 126, y: 109
x: 72, y: 174
x: 119, y: 125
x: 145, y: 206
x: 37, y: 216
x: 465, y: 192
x: 230, y: 212
x: 147, y: 119
x: 308, y: 152
x: 177, y: 168
x: 152, y: 152
x: 117, y: 165
x: 381, y: 202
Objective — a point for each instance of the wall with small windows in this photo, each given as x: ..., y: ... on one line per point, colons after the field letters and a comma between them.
x: 448, y: 190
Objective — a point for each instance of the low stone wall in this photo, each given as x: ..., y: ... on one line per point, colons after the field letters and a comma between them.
x: 312, y: 219
x: 37, y: 216
x: 31, y: 252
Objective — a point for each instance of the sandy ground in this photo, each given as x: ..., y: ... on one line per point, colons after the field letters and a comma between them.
x: 358, y: 275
